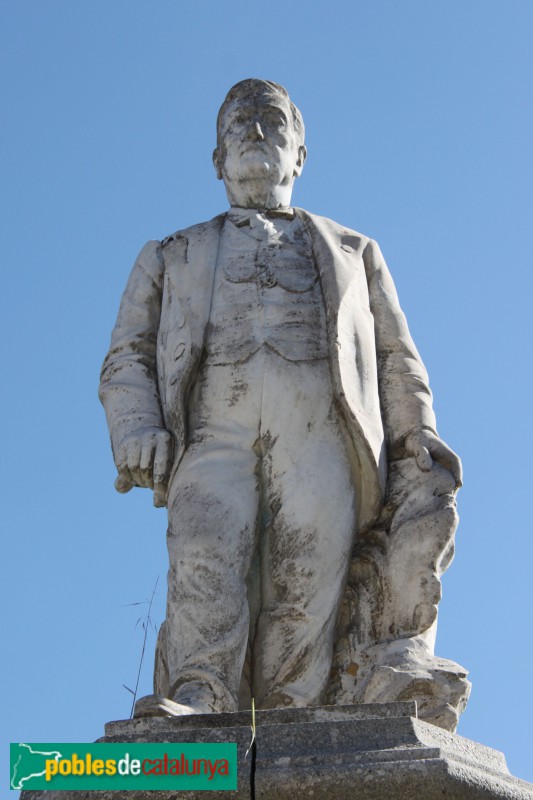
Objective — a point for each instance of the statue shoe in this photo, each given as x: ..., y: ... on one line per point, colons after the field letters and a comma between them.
x: 155, y: 705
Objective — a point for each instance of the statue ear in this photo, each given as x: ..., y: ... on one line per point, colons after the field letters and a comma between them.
x: 217, y: 159
x: 302, y: 155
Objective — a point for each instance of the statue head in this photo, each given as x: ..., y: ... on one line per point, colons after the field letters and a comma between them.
x: 260, y: 144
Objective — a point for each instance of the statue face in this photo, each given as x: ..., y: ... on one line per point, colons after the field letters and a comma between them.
x: 259, y: 143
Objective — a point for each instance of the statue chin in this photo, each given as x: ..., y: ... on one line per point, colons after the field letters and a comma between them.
x: 254, y: 169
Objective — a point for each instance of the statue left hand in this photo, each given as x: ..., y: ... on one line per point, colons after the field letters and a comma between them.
x: 426, y: 447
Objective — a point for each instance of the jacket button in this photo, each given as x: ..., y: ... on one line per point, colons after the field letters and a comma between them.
x: 268, y: 281
x: 178, y: 352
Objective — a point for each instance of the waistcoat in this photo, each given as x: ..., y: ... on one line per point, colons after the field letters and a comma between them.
x: 266, y: 292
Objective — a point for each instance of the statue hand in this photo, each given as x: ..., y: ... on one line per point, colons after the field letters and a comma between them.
x: 144, y: 458
x: 426, y: 447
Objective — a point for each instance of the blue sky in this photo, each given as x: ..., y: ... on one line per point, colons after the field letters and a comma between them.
x: 419, y: 122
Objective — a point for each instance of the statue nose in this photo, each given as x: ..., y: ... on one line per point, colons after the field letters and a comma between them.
x: 254, y: 132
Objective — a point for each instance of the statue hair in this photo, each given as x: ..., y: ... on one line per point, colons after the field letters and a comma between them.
x: 256, y: 86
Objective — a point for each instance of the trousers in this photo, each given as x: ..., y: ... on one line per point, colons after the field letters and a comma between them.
x: 262, y: 512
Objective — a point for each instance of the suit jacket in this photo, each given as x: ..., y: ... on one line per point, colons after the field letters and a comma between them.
x: 378, y: 377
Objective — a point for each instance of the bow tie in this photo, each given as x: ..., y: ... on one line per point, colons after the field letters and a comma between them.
x: 243, y: 216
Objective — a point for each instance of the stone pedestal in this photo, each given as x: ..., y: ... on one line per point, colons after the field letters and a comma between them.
x: 366, y: 752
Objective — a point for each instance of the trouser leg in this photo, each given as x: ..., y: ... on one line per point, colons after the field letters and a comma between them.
x: 306, y: 545
x: 213, y: 504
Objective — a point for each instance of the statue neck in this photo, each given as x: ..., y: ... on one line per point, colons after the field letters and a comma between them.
x: 258, y: 194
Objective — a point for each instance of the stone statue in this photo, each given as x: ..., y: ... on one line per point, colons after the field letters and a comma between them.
x: 263, y: 382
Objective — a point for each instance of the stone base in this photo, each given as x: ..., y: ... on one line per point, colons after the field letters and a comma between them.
x: 368, y: 752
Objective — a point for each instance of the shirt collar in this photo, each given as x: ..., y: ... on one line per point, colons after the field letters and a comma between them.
x: 241, y: 216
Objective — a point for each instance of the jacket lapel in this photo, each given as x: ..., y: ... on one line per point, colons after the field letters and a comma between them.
x: 352, y: 352
x: 190, y: 260
x: 334, y: 257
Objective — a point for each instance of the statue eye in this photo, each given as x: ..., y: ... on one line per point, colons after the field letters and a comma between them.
x: 273, y: 121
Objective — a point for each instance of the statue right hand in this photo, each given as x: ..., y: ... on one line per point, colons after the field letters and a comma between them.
x: 144, y: 458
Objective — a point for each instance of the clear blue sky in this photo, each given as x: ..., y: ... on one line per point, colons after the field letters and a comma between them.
x: 419, y: 124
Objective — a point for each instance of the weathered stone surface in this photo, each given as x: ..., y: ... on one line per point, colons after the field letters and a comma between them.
x: 263, y: 382
x: 368, y: 752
